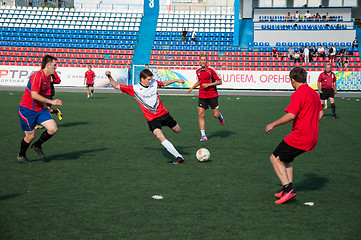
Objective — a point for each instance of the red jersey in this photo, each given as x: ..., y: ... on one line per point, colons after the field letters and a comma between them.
x: 207, y: 75
x: 148, y: 99
x: 306, y: 106
x: 89, y: 75
x: 39, y: 83
x: 327, y: 80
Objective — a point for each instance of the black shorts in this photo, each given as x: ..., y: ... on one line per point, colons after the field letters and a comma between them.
x: 49, y: 97
x: 90, y: 85
x: 166, y: 120
x: 286, y: 152
x: 208, y: 102
x: 327, y: 93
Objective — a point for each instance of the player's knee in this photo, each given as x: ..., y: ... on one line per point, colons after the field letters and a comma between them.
x: 201, y: 114
x: 30, y: 137
x: 177, y: 129
x: 216, y: 115
x: 52, y: 130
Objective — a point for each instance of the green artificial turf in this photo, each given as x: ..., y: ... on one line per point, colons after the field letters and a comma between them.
x: 104, y: 166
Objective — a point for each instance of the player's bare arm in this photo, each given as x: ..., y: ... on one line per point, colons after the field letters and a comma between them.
x: 216, y: 83
x: 283, y: 120
x: 335, y: 87
x: 114, y: 84
x: 321, y: 115
x: 166, y: 82
x: 38, y: 97
x: 193, y: 87
x: 319, y: 87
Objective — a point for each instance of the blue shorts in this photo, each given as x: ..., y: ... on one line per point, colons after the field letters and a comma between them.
x: 29, y: 118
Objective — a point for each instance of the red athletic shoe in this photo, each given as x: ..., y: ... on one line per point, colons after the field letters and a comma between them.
x: 286, y: 197
x: 279, y: 195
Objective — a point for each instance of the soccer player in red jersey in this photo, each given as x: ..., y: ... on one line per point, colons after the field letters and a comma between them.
x: 89, y: 80
x: 32, y: 109
x: 207, y: 79
x: 146, y: 94
x: 327, y: 87
x: 305, y: 110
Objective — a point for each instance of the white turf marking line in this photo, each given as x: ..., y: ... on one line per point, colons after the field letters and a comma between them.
x: 157, y: 197
x: 309, y: 204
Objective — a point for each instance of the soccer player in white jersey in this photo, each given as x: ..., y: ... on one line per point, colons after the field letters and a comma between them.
x: 146, y: 94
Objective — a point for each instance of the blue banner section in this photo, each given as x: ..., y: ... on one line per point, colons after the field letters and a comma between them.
x: 151, y: 7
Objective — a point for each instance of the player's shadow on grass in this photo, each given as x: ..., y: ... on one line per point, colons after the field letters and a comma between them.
x: 70, y: 155
x: 72, y: 124
x: 9, y: 196
x: 221, y: 134
x: 311, y: 182
x: 167, y: 155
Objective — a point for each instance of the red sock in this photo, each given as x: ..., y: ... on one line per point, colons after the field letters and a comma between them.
x: 54, y: 111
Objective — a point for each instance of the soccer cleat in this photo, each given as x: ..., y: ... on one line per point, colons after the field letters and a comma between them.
x: 23, y: 159
x: 279, y: 195
x: 286, y: 196
x: 203, y: 139
x: 222, y: 121
x: 178, y: 160
x: 39, y: 151
x: 59, y: 114
x: 335, y: 116
x: 88, y: 97
x: 38, y: 126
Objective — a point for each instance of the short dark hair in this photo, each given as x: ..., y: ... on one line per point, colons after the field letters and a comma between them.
x: 146, y: 64
x: 203, y: 55
x: 299, y: 74
x: 47, y: 59
x: 145, y: 73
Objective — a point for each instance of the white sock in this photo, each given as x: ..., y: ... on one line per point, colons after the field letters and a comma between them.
x: 326, y: 103
x: 171, y: 149
x: 203, y: 132
x: 220, y: 116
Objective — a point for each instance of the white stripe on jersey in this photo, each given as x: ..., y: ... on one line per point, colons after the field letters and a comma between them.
x: 147, y: 96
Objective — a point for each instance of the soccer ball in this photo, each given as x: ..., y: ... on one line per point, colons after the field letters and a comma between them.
x: 202, y: 154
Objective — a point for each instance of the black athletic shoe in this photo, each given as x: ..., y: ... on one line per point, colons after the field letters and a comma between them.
x: 335, y: 116
x: 23, y: 159
x: 39, y: 151
x: 178, y: 160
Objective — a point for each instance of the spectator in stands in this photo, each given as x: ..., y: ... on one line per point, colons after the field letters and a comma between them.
x: 297, y: 16
x: 313, y: 52
x: 297, y: 57
x: 291, y: 51
x: 332, y: 52
x: 184, y: 35
x: 321, y: 51
x: 318, y: 17
x: 146, y: 66
x: 302, y: 51
x: 354, y: 44
x: 288, y: 17
x: 345, y: 62
x: 339, y: 62
x: 306, y: 54
x: 308, y: 16
x: 274, y: 52
x: 325, y: 17
x: 193, y: 36
x: 343, y: 51
x: 327, y: 54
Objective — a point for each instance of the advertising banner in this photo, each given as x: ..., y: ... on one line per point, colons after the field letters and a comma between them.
x: 257, y: 80
x: 70, y: 77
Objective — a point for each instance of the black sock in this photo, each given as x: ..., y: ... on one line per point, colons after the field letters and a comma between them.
x: 92, y: 91
x: 333, y: 107
x: 287, y: 187
x: 43, y: 138
x: 23, y: 147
